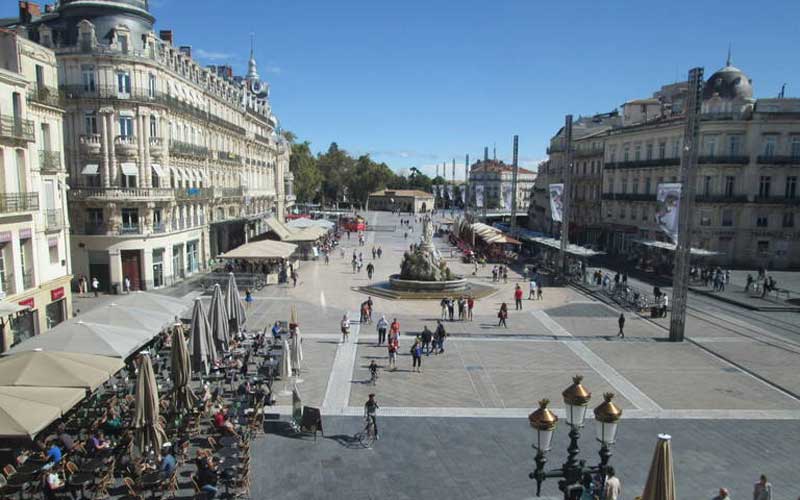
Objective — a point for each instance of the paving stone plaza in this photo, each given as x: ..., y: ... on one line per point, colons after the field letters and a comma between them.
x: 459, y: 429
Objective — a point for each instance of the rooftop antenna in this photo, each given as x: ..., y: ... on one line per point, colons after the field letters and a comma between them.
x: 783, y: 92
x: 494, y: 152
x: 728, y: 60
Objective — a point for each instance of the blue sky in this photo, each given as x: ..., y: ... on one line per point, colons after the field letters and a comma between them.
x: 416, y: 83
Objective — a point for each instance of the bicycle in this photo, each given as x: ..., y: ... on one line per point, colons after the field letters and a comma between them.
x: 367, y: 436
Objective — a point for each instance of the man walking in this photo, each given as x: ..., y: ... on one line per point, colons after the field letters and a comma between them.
x: 441, y: 334
x: 723, y: 495
x: 371, y: 413
x: 126, y: 284
x: 345, y: 328
x: 393, y: 345
x: 450, y: 308
x: 470, y: 306
x: 613, y: 488
x: 383, y: 326
x: 762, y: 489
x: 96, y: 286
x: 621, y: 322
x: 370, y: 270
x: 427, y: 337
x: 518, y: 297
x: 532, y: 289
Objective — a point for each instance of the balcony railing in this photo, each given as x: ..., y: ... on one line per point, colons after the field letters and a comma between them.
x: 235, y: 192
x: 125, y: 144
x: 584, y: 153
x: 629, y: 196
x: 18, y: 202
x: 721, y: 198
x: 159, y: 227
x: 663, y: 162
x: 777, y: 200
x: 262, y: 138
x: 186, y: 149
x: 194, y: 193
x: 130, y: 229
x: 16, y: 129
x: 43, y: 94
x: 53, y: 219
x: 778, y: 160
x: 121, y: 193
x: 227, y: 157
x: 724, y: 160
x: 49, y: 162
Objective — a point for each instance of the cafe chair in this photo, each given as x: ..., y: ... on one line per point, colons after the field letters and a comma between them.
x: 130, y: 485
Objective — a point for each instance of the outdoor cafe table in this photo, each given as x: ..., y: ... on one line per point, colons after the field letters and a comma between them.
x: 151, y: 480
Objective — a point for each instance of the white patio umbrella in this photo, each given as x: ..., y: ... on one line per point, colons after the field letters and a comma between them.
x: 286, y: 367
x: 218, y: 318
x: 234, y: 306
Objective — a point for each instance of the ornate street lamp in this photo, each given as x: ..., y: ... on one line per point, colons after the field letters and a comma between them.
x: 576, y: 400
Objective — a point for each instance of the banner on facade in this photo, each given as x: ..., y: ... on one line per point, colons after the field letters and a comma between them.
x: 668, y: 198
x: 450, y: 191
x: 464, y: 195
x: 479, y: 196
x: 556, y: 201
x: 507, y: 196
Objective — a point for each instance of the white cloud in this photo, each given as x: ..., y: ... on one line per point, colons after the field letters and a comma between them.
x: 212, y: 56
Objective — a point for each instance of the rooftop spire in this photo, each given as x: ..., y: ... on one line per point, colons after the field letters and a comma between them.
x: 728, y: 60
x: 252, y: 72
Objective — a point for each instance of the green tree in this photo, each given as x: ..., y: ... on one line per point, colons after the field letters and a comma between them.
x: 307, y: 177
x: 289, y: 136
x: 336, y: 167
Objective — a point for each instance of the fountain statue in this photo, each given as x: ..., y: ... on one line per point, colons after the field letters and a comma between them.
x: 423, y: 262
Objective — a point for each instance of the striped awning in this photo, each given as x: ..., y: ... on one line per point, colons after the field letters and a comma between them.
x: 90, y: 169
x: 129, y: 169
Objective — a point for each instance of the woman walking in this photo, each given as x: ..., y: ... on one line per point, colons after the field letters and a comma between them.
x: 393, y: 345
x: 416, y: 355
x: 345, y: 328
x: 383, y: 325
x: 503, y: 314
x: 248, y: 297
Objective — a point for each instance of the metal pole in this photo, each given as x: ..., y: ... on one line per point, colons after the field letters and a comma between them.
x: 565, y: 195
x: 514, y: 175
x: 688, y: 174
x: 483, y: 178
x: 466, y: 185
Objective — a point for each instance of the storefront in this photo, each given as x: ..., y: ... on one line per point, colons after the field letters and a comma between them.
x: 158, y: 267
x: 26, y: 324
x: 56, y: 310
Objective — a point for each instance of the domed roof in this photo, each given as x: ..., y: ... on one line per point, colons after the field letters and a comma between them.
x: 728, y: 83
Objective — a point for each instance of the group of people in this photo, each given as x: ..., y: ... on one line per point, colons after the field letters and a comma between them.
x: 83, y: 285
x: 763, y: 283
x: 500, y: 273
x: 465, y: 306
x: 715, y: 277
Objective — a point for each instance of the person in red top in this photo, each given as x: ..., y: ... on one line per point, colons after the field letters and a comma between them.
x: 518, y: 297
x: 470, y: 306
x: 394, y: 328
x: 393, y: 345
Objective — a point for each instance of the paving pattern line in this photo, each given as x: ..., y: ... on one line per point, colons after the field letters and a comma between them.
x: 337, y: 394
x: 622, y: 385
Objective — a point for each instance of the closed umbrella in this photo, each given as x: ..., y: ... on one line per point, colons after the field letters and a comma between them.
x: 181, y: 371
x: 286, y: 367
x: 660, y: 483
x: 234, y: 306
x: 218, y: 318
x: 293, y: 316
x: 198, y: 339
x: 148, y: 431
x: 297, y: 349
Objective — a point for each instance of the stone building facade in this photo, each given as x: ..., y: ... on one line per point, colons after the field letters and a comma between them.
x: 35, y: 267
x: 170, y: 163
x: 496, y: 177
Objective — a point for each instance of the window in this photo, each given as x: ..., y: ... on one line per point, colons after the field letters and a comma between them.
x: 52, y: 247
x: 788, y: 219
x: 39, y: 76
x: 791, y: 186
x: 624, y: 185
x: 770, y: 144
x: 123, y: 83
x: 87, y: 77
x: 762, y: 221
x: 158, y: 267
x: 151, y: 86
x: 90, y: 123
x: 730, y: 183
x: 647, y: 185
x: 705, y: 218
x: 662, y: 150
x: 707, y: 185
x: 649, y: 151
x: 94, y: 216
x: 153, y: 126
x: 762, y: 247
x: 734, y: 145
x: 637, y: 152
x: 644, y: 213
x: 126, y: 126
x: 130, y: 219
x: 122, y: 40
x: 676, y: 147
x: 635, y: 186
x: 612, y: 154
x: 4, y: 280
x: 710, y: 146
x: 764, y: 185
x: 727, y: 217
x: 795, y: 150
x: 626, y: 154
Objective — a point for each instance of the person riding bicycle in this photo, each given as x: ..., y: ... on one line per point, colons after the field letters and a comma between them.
x: 370, y: 413
x: 373, y: 371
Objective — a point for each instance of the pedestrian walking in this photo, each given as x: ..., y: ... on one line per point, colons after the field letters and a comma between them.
x: 416, y: 356
x: 613, y: 487
x: 370, y: 270
x: 126, y: 284
x: 248, y: 297
x: 664, y: 306
x: 440, y: 336
x: 494, y: 273
x: 532, y: 290
x: 443, y: 303
x: 96, y: 286
x: 505, y: 274
x: 539, y: 292
x: 383, y: 326
x: 392, y: 345
x: 723, y: 495
x: 502, y: 314
x: 621, y: 322
x: 427, y: 337
x: 345, y: 328
x: 295, y: 277
x: 461, y: 308
x: 518, y: 297
x: 470, y: 306
x: 380, y: 252
x: 355, y: 264
x: 762, y: 489
x: 374, y: 253
x: 451, y: 308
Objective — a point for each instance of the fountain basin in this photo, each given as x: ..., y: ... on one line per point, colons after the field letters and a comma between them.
x: 404, y: 285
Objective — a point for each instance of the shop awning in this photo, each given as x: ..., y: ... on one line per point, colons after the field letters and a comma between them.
x: 265, y: 249
x: 491, y: 235
x: 26, y: 411
x: 305, y: 222
x: 157, y: 170
x: 307, y: 234
x: 129, y: 169
x: 278, y: 228
x: 572, y: 249
x: 7, y: 308
x: 91, y: 169
x: 670, y: 247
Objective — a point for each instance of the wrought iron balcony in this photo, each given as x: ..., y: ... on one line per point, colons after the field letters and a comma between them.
x: 777, y: 200
x: 194, y: 193
x: 663, y: 162
x: 43, y: 94
x: 778, y: 160
x: 50, y: 162
x: 585, y: 153
x: 721, y: 198
x: 227, y: 157
x: 235, y: 192
x: 724, y: 160
x: 121, y: 193
x: 185, y: 149
x: 629, y: 197
x: 130, y: 229
x: 18, y: 202
x: 16, y: 129
x: 54, y: 219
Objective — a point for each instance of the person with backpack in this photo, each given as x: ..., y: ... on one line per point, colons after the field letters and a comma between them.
x: 440, y: 336
x: 427, y: 337
x: 416, y: 356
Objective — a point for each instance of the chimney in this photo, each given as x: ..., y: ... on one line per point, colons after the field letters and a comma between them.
x: 28, y: 10
x: 165, y: 35
x: 186, y: 50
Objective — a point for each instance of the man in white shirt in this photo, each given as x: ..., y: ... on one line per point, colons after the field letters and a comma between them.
x: 613, y: 488
x: 532, y: 290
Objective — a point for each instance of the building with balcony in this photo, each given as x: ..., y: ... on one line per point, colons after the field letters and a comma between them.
x: 496, y: 177
x: 747, y: 199
x: 169, y: 163
x: 34, y: 232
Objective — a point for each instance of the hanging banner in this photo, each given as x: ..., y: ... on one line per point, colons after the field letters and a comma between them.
x: 479, y: 196
x: 506, y: 196
x: 556, y: 201
x: 450, y: 191
x: 668, y: 197
x: 463, y: 195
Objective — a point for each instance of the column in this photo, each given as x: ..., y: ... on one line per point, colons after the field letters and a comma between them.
x: 115, y: 268
x: 112, y: 150
x: 142, y: 181
x: 147, y: 180
x: 105, y: 143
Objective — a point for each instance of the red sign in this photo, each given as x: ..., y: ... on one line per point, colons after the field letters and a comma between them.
x: 57, y: 293
x: 27, y: 302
